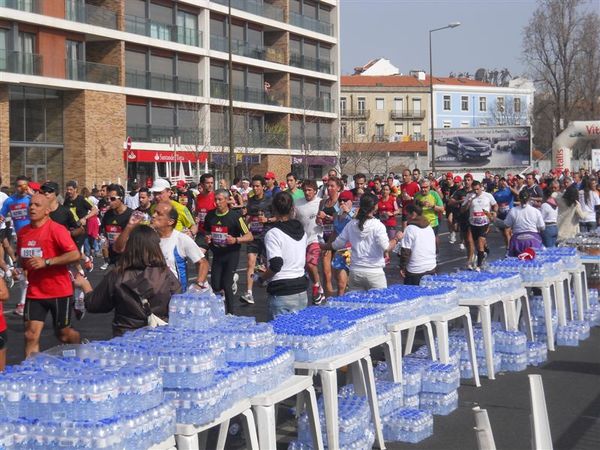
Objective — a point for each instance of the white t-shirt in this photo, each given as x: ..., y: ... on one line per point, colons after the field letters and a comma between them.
x: 306, y: 213
x: 132, y: 202
x: 421, y: 242
x: 293, y: 252
x: 368, y: 245
x: 480, y: 203
x: 589, y: 208
x: 549, y: 214
x: 3, y: 198
x: 525, y: 219
x: 178, y: 248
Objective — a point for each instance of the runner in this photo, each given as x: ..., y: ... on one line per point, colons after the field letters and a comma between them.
x: 328, y: 208
x: 60, y: 213
x: 82, y: 209
x: 115, y: 220
x: 307, y: 210
x: 505, y: 198
x: 132, y: 199
x: 408, y: 189
x: 482, y: 209
x: 387, y: 210
x: 460, y: 219
x: 162, y: 193
x: 205, y: 202
x: 431, y: 203
x: 340, y: 262
x: 292, y: 183
x: 449, y: 187
x: 103, y: 203
x: 360, y: 187
x: 4, y: 295
x: 5, y: 247
x: 225, y: 230
x: 145, y: 200
x: 258, y: 214
x: 45, y: 248
x: 272, y: 187
x: 536, y: 195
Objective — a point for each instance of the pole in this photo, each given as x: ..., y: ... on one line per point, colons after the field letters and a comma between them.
x: 431, y: 124
x: 230, y: 96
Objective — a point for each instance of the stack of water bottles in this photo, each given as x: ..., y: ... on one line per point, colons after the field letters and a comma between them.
x: 512, y: 348
x: 458, y: 343
x: 439, y: 389
x: 531, y: 271
x: 537, y: 353
x: 470, y: 284
x: 80, y: 403
x: 538, y: 319
x: 592, y: 314
x: 569, y: 256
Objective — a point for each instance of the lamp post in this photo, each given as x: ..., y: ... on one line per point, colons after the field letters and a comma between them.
x: 431, y: 124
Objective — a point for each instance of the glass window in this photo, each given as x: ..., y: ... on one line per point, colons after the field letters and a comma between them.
x: 379, y: 104
x: 54, y: 117
x: 344, y: 129
x: 17, y: 115
x: 188, y: 118
x: 34, y: 115
x: 254, y: 36
x: 309, y: 49
x: 217, y: 72
x: 187, y: 20
x: 161, y: 65
x: 482, y: 104
x: 309, y: 9
x: 296, y: 127
x: 447, y: 104
x: 310, y: 129
x: 3, y: 47
x: 464, y: 103
x: 295, y: 46
x: 295, y: 6
x: 464, y: 124
x: 343, y: 105
x: 237, y: 32
x: 54, y: 165
x: 399, y: 129
x: 162, y: 116
x: 361, y: 104
x: 325, y: 129
x: 187, y: 69
x: 136, y: 8
x: 517, y: 105
x: 295, y: 87
x: 255, y: 80
x: 17, y: 163
x: 325, y: 14
x: 238, y: 78
x: 135, y: 60
x: 160, y: 13
x: 324, y: 53
x: 310, y: 89
x: 217, y: 27
x: 500, y: 104
x: 136, y: 115
x: 416, y: 105
x: 362, y: 128
x: 447, y: 124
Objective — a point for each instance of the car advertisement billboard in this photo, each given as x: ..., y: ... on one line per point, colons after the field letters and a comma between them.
x: 482, y: 148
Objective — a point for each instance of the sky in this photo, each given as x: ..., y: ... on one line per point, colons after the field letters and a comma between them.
x: 490, y: 34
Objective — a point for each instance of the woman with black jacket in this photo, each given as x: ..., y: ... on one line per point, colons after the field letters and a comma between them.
x: 140, y: 273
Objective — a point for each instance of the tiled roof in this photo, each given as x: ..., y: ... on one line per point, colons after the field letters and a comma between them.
x: 406, y: 81
x: 392, y: 147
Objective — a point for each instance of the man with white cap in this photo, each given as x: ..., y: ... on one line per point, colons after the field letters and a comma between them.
x: 162, y: 193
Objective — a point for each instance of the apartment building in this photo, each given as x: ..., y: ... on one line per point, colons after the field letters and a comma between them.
x: 104, y: 90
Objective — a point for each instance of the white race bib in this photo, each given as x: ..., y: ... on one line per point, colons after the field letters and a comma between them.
x: 31, y: 252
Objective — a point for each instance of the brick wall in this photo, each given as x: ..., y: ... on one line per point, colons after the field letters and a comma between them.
x: 108, y: 52
x: 278, y: 41
x: 279, y: 164
x: 283, y: 4
x: 95, y: 125
x: 116, y: 6
x: 4, y: 135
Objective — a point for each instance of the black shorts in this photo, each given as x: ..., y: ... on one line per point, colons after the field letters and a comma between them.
x: 5, y: 233
x: 3, y: 339
x: 60, y: 308
x: 478, y: 231
x: 257, y: 246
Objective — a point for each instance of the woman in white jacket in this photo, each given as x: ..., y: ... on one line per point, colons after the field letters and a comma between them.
x: 369, y: 240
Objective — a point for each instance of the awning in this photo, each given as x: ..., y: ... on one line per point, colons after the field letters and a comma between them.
x: 163, y: 156
x: 315, y: 160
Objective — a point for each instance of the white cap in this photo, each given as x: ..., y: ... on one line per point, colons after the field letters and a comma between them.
x: 160, y: 184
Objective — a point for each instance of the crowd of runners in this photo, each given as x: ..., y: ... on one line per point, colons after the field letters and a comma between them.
x: 338, y: 232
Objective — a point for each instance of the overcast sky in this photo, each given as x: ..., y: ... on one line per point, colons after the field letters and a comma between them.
x: 490, y: 34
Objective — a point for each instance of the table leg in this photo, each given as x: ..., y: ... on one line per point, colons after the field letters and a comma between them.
x: 527, y: 316
x: 373, y: 403
x: 250, y: 431
x: 390, y: 357
x: 578, y: 293
x: 410, y: 340
x: 547, y: 297
x: 586, y: 298
x: 430, y: 340
x: 441, y: 328
x: 486, y: 328
x: 222, y: 439
x: 330, y: 400
x: 266, y: 425
x: 559, y: 297
x: 313, y: 419
x: 468, y: 327
x: 510, y: 312
x: 187, y: 442
x: 397, y: 350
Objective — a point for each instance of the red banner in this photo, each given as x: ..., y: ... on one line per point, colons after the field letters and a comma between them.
x: 163, y: 156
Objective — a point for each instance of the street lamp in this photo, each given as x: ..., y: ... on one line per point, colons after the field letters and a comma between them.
x: 431, y: 124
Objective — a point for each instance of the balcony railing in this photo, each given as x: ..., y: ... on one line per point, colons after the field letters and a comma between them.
x: 311, y: 24
x: 163, y: 31
x: 163, y: 135
x: 221, y: 43
x: 396, y: 114
x: 255, y: 7
x: 306, y: 62
x: 251, y: 139
x: 18, y: 62
x: 324, y: 104
x: 312, y: 143
x: 78, y: 11
x: 165, y: 83
x: 219, y: 89
x: 380, y: 138
x: 33, y: 6
x: 92, y: 72
x: 355, y: 113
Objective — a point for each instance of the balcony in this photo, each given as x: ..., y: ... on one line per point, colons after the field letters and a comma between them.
x: 164, y: 83
x: 306, y: 62
x: 311, y: 24
x: 380, y: 138
x: 78, y: 11
x: 32, y: 6
x: 312, y: 143
x: 258, y: 139
x: 355, y: 114
x: 255, y: 7
x: 163, y: 31
x: 221, y: 43
x: 397, y: 114
x: 219, y: 89
x: 163, y: 135
x: 324, y: 104
x: 91, y: 72
x: 18, y: 62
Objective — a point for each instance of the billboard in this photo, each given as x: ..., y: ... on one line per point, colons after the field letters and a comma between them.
x: 482, y: 148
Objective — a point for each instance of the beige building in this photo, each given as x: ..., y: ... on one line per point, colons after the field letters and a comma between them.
x: 105, y: 90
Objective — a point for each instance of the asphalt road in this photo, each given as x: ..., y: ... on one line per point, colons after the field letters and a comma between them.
x: 571, y: 380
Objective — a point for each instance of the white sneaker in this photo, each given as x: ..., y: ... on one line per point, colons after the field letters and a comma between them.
x: 104, y: 266
x: 452, y: 239
x: 234, y: 286
x: 247, y: 298
x: 462, y: 246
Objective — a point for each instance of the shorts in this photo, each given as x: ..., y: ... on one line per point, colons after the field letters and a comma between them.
x: 436, y: 229
x: 60, y: 308
x: 6, y: 233
x: 3, y: 339
x: 479, y: 231
x: 257, y: 246
x: 313, y: 254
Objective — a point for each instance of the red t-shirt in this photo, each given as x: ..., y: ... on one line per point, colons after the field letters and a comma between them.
x: 204, y: 204
x: 2, y: 319
x: 388, y: 207
x: 411, y: 189
x: 48, y: 241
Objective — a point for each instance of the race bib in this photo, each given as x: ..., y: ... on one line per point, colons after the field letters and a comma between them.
x: 255, y: 225
x: 479, y: 218
x: 31, y: 252
x: 112, y: 233
x: 202, y: 216
x: 327, y: 230
x: 18, y: 211
x: 219, y: 236
x: 503, y: 207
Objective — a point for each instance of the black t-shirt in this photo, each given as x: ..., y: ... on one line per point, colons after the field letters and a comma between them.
x: 256, y: 208
x: 459, y: 195
x: 64, y: 216
x: 218, y: 226
x: 102, y: 207
x: 112, y: 225
x: 79, y: 205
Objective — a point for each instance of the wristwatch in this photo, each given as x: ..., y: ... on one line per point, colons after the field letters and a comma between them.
x: 47, y: 262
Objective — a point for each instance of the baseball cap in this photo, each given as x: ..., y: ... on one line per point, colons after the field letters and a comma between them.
x: 160, y: 184
x: 34, y: 186
x: 181, y: 183
x: 457, y: 179
x: 269, y: 176
x: 346, y: 195
x: 50, y: 186
x: 468, y: 175
x: 449, y: 175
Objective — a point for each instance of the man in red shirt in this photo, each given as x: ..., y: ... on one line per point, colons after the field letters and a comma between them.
x: 205, y: 202
x: 408, y: 188
x: 45, y: 248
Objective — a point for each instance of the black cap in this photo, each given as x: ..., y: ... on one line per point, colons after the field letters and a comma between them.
x: 50, y: 185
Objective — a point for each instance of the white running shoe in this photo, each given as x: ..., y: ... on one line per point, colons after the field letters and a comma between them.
x: 234, y: 286
x: 462, y: 246
x: 452, y: 239
x: 247, y: 298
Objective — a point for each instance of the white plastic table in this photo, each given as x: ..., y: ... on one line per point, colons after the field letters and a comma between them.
x: 385, y: 340
x: 360, y: 360
x: 168, y: 444
x: 579, y: 281
x: 192, y: 437
x: 264, y: 410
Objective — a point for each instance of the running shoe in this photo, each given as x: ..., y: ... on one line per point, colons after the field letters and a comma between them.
x: 462, y: 246
x: 452, y: 239
x: 319, y: 299
x: 88, y: 264
x: 247, y: 298
x: 104, y: 266
x: 20, y: 309
x: 234, y: 286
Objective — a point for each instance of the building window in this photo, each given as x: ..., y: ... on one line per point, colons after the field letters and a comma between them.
x: 482, y: 104
x: 361, y: 104
x: 417, y: 132
x: 379, y: 132
x: 464, y: 124
x: 379, y: 104
x: 464, y: 103
x: 398, y: 105
x: 399, y: 129
x: 500, y: 104
x: 343, y: 105
x: 447, y: 124
x: 447, y: 104
x: 517, y: 105
x: 483, y: 123
x: 344, y: 130
x: 362, y: 128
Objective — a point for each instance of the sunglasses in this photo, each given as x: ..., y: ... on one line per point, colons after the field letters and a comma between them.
x: 341, y: 200
x: 114, y: 199
x: 47, y: 190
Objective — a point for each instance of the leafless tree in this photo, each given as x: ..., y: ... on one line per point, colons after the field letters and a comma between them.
x: 507, y: 114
